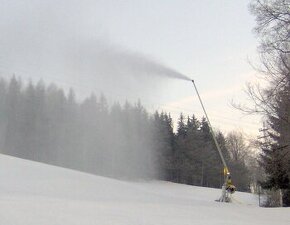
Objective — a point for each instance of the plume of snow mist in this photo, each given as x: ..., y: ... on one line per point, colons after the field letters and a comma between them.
x: 115, y: 62
x: 57, y: 43
x: 138, y: 63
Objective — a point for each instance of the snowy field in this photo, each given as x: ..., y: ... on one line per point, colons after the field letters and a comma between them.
x: 38, y: 194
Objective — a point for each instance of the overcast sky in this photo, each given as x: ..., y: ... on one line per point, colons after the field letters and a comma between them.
x: 101, y: 45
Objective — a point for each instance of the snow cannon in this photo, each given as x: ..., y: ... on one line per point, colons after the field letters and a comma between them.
x: 228, y: 188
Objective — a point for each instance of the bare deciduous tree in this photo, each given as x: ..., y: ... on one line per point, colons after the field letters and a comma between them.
x: 237, y: 146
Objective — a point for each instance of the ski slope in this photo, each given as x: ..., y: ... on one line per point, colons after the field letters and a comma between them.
x: 38, y: 194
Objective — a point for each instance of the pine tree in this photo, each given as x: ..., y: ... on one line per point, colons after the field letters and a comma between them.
x: 163, y: 143
x: 3, y: 94
x: 193, y: 155
x: 276, y: 156
x: 27, y: 123
x: 12, y: 113
x: 179, y: 158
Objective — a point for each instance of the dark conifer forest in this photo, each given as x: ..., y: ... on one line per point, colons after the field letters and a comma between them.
x: 45, y: 124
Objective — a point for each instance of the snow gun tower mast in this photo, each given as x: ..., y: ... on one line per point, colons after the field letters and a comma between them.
x: 228, y: 188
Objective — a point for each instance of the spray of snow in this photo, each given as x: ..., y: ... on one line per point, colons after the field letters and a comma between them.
x: 40, y: 42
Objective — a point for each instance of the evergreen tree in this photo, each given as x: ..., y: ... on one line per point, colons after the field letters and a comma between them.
x: 3, y: 94
x: 27, y: 123
x: 276, y: 156
x: 211, y: 161
x: 12, y: 136
x: 41, y: 124
x: 163, y: 144
x: 180, y: 157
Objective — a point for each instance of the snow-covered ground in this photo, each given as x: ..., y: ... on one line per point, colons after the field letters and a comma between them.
x: 37, y: 194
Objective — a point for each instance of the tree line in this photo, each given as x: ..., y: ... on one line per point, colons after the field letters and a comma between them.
x: 45, y: 124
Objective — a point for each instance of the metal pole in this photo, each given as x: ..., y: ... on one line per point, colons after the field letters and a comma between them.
x: 259, y: 190
x: 212, y: 132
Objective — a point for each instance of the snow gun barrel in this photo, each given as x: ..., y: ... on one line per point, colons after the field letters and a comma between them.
x: 228, y: 188
x: 226, y: 170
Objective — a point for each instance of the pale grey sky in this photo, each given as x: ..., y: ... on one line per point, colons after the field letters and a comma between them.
x: 81, y: 44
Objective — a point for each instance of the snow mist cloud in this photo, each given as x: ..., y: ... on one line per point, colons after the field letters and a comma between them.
x: 56, y: 42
